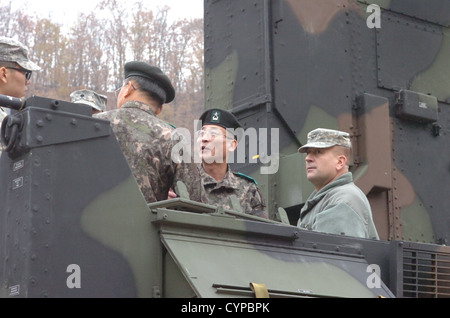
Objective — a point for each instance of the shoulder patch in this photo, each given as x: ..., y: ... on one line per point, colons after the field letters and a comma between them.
x: 246, y: 177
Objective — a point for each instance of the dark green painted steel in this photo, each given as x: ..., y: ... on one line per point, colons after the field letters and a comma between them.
x: 69, y: 197
x: 299, y: 65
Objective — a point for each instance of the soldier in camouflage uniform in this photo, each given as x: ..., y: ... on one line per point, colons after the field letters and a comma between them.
x: 337, y: 205
x: 220, y: 183
x: 15, y: 70
x: 147, y: 141
x: 90, y: 98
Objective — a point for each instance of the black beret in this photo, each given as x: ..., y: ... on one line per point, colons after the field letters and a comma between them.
x: 152, y: 73
x: 219, y: 117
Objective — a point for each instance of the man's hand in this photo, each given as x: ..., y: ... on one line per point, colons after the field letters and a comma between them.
x: 172, y: 195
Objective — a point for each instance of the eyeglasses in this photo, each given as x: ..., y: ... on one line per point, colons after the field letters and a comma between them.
x: 117, y: 91
x: 213, y: 134
x: 24, y: 71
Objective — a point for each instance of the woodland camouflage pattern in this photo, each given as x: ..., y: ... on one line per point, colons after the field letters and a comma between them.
x: 147, y: 143
x: 247, y: 192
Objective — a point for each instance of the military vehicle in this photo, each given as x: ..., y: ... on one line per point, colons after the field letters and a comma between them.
x: 73, y: 222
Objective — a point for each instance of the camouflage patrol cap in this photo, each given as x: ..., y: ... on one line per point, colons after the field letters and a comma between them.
x: 14, y: 51
x: 325, y: 138
x: 91, y: 98
x: 164, y: 87
x: 219, y: 117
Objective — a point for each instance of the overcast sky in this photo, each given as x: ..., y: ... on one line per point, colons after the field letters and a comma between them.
x: 67, y: 11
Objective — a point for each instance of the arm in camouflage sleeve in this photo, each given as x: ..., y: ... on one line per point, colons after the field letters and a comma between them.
x: 188, y: 173
x: 258, y: 204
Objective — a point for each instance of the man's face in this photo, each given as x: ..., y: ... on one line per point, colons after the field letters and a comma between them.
x: 14, y: 82
x: 214, y: 144
x: 321, y: 166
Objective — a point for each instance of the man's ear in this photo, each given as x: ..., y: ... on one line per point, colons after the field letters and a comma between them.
x: 158, y: 110
x: 232, y: 145
x: 342, y: 162
x: 128, y: 90
x: 3, y: 76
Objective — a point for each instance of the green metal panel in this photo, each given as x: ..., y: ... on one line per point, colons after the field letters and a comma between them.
x: 220, y: 255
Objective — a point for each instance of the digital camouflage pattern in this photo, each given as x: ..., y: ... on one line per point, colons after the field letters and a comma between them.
x: 91, y: 98
x: 348, y: 79
x: 14, y: 51
x: 246, y: 191
x: 147, y: 143
x: 325, y: 138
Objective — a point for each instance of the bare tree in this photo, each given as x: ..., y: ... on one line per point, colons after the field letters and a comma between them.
x: 93, y: 52
x: 46, y: 52
x: 142, y: 32
x: 86, y: 50
x: 7, y: 17
x: 116, y: 38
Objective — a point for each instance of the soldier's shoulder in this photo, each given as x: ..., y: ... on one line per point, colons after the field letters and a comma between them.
x: 162, y: 123
x: 245, y: 177
x: 105, y: 115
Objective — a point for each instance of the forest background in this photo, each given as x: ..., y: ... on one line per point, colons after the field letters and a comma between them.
x: 91, y: 52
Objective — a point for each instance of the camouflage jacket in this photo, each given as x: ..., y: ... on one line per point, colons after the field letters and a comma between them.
x: 339, y: 208
x: 243, y: 187
x: 147, y: 143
